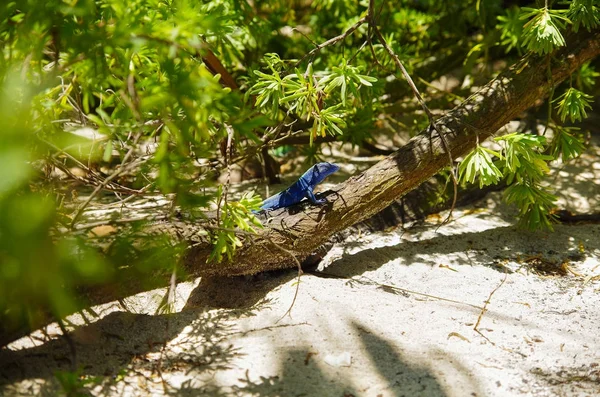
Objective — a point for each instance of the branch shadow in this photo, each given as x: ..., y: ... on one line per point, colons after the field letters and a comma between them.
x: 124, y: 344
x: 300, y: 376
x: 411, y: 376
x: 402, y: 377
x: 487, y: 248
x: 242, y: 292
x: 303, y: 372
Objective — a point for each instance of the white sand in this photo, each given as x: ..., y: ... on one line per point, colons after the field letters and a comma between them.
x: 363, y: 334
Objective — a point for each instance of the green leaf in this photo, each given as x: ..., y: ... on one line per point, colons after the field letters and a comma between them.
x: 108, y: 151
x: 587, y: 77
x: 565, y: 144
x: 535, y: 205
x: 583, y: 12
x: 348, y: 79
x: 511, y: 29
x: 542, y: 33
x: 573, y: 104
x: 479, y: 165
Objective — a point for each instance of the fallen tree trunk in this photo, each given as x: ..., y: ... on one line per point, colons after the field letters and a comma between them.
x: 362, y: 196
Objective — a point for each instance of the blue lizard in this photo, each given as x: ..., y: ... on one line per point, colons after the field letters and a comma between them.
x: 302, y: 188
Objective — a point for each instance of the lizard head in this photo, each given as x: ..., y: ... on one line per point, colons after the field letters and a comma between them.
x: 322, y: 171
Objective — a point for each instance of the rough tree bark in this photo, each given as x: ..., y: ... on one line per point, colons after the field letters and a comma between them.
x: 286, y: 234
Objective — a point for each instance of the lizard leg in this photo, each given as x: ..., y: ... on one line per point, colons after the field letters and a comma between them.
x: 312, y: 198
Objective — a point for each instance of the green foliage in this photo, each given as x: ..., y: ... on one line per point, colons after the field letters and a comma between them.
x: 542, y: 33
x: 302, y: 95
x: 586, y: 77
x: 583, y: 12
x: 511, y: 29
x: 35, y: 270
x: 269, y: 88
x: 234, y: 216
x: 522, y: 157
x: 479, y: 165
x: 525, y: 166
x: 328, y: 120
x: 534, y: 203
x: 404, y: 52
x: 337, y: 8
x: 307, y: 94
x: 347, y: 78
x: 566, y: 143
x: 130, y: 66
x: 572, y: 104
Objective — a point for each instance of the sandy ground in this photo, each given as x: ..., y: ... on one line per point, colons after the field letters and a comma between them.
x: 474, y: 308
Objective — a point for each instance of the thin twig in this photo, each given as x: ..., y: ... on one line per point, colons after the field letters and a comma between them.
x: 163, y: 349
x: 300, y: 272
x: 417, y: 94
x: 278, y: 246
x: 112, y: 187
x: 305, y: 36
x: 223, y: 197
x: 131, y: 197
x: 363, y: 45
x: 428, y: 84
x: 550, y: 97
x: 112, y: 176
x: 167, y: 304
x: 333, y: 40
x: 92, y: 225
x: 484, y: 309
x: 70, y: 342
x: 71, y: 157
x: 393, y: 287
x: 373, y: 21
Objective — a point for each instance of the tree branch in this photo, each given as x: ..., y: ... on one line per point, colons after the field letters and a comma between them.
x: 333, y: 40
